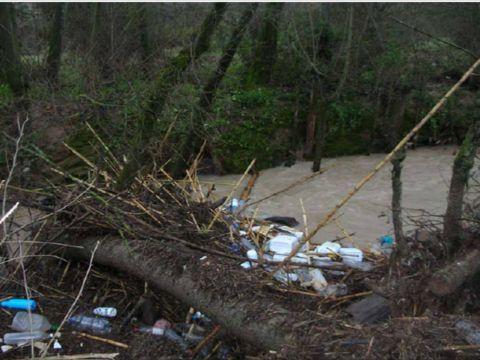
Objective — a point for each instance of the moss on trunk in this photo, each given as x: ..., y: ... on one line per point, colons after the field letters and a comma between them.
x: 166, y: 79
x: 452, y: 231
x: 55, y: 44
x: 265, y: 53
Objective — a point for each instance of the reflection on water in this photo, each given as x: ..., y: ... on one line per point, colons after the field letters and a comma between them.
x: 426, y: 174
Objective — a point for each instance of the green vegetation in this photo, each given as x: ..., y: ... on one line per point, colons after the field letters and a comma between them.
x: 261, y: 104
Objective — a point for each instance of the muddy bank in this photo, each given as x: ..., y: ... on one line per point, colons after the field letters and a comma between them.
x: 426, y: 175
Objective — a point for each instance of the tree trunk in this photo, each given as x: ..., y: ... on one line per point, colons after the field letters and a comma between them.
x: 166, y: 80
x: 55, y: 44
x: 99, y: 40
x: 311, y: 121
x: 152, y: 262
x: 452, y: 227
x: 397, y: 201
x: 320, y: 136
x: 397, y: 119
x: 265, y: 53
x: 348, y: 50
x: 448, y: 279
x: 11, y: 70
x: 145, y: 43
x: 190, y: 143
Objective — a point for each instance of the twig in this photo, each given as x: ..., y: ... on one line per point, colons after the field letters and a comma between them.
x: 205, y: 341
x: 91, y: 356
x: 288, y: 187
x: 229, y: 197
x: 434, y: 37
x: 380, y: 165
x: 9, y: 212
x: 370, y: 344
x: 101, y: 339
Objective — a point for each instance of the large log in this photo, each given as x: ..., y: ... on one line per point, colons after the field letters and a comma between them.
x: 260, y: 321
x: 448, y: 279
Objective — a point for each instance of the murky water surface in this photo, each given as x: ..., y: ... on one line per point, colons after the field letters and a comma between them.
x: 426, y: 174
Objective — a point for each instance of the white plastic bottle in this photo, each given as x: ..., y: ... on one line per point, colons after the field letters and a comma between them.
x: 105, y: 311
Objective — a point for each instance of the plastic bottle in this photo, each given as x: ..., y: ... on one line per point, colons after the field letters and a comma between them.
x: 168, y: 333
x: 93, y: 324
x: 19, y: 304
x: 152, y: 330
x: 24, y: 337
x: 30, y: 322
x: 105, y: 311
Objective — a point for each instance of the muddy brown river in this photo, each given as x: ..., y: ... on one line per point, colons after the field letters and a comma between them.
x: 426, y: 175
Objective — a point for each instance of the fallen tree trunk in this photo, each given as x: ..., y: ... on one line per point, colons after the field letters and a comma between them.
x: 256, y: 320
x: 445, y: 281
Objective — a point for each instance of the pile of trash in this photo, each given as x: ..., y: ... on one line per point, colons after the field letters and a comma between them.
x: 34, y: 329
x: 269, y: 242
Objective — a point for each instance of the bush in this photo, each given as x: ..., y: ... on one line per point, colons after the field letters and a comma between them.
x: 251, y: 123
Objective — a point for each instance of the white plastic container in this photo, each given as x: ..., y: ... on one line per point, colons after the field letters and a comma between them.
x: 252, y: 254
x: 282, y: 244
x: 328, y: 248
x: 295, y: 259
x: 352, y: 254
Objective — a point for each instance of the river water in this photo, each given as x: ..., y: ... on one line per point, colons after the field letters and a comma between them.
x: 426, y: 175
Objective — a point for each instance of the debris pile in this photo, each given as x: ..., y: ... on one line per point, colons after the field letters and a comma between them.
x: 269, y: 242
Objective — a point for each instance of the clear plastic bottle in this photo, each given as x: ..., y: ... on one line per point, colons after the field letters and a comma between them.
x: 93, y: 324
x: 24, y: 337
x: 30, y: 322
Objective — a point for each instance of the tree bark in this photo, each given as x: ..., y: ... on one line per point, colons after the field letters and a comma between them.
x: 55, y: 44
x: 265, y: 53
x: 145, y: 42
x: 167, y: 79
x: 320, y: 136
x: 311, y: 121
x: 445, y: 281
x: 151, y: 262
x: 99, y: 41
x: 397, y: 200
x: 452, y: 227
x: 190, y: 143
x: 397, y: 119
x: 11, y: 70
